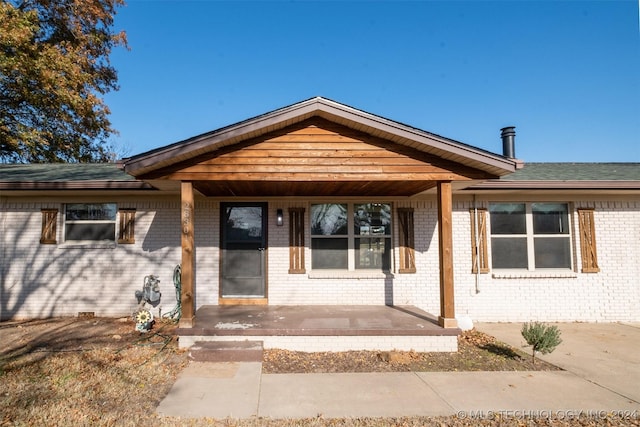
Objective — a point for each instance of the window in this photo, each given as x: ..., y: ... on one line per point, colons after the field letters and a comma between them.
x: 372, y: 228
x: 530, y: 236
x: 90, y: 222
x: 329, y: 236
x: 351, y: 236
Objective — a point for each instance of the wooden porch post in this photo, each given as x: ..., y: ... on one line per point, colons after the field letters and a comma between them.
x: 445, y: 246
x: 188, y: 256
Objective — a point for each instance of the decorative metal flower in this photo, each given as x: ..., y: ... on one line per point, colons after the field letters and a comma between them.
x: 143, y: 317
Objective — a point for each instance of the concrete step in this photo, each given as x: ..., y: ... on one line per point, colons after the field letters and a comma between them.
x: 226, y: 351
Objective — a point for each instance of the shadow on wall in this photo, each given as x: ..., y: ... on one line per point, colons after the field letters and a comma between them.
x: 388, y: 290
x: 37, y: 279
x: 164, y: 230
x: 426, y: 223
x: 424, y: 237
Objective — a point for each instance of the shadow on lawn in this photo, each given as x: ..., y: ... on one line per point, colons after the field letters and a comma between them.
x: 501, y: 350
x: 27, y: 342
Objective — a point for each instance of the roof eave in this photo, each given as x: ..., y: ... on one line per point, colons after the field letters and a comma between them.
x: 421, y: 140
x: 73, y: 185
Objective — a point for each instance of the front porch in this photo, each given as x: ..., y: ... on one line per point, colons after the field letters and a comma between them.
x: 322, y: 328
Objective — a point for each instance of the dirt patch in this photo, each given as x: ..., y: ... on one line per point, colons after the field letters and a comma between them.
x: 476, y: 352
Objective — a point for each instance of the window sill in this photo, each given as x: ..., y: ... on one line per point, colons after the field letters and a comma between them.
x: 345, y: 274
x: 87, y: 245
x: 551, y: 274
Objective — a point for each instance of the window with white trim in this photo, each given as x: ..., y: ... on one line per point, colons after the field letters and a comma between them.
x: 354, y: 236
x: 95, y: 222
x: 531, y: 236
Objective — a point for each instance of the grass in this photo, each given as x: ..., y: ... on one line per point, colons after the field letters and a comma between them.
x: 101, y: 386
x: 102, y: 373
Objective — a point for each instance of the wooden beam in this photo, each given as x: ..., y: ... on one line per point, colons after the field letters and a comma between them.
x: 372, y: 174
x: 372, y: 189
x: 445, y: 246
x: 188, y: 256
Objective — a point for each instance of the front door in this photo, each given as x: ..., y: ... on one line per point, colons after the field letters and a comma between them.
x: 243, y: 243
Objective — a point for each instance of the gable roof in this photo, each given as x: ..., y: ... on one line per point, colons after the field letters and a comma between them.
x: 509, y: 173
x: 359, y: 120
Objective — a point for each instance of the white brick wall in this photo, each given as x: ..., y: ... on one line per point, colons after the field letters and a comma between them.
x: 49, y: 280
x: 207, y: 239
x: 613, y: 294
x: 309, y: 288
x: 340, y: 343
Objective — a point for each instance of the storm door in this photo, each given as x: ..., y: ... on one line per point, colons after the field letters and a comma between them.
x: 243, y: 243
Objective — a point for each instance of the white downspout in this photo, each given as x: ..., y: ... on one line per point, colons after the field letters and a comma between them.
x: 477, y: 245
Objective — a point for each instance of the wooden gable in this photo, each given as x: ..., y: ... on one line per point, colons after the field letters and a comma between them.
x: 316, y: 157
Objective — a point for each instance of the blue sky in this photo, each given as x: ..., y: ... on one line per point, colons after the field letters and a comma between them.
x: 565, y: 73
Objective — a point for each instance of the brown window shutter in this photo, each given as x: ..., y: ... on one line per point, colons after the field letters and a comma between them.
x: 406, y: 241
x: 296, y: 241
x: 479, y: 258
x: 49, y: 227
x: 588, y: 241
x: 126, y: 232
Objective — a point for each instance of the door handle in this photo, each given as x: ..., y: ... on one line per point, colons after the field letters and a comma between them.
x: 262, y: 249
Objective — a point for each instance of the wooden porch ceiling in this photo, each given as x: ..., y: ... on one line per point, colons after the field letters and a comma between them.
x: 312, y: 189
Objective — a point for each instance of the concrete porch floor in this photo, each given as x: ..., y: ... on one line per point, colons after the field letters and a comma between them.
x: 322, y: 327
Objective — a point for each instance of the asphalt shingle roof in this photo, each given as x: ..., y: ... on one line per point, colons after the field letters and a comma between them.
x: 576, y: 172
x: 63, y: 172
x: 110, y: 172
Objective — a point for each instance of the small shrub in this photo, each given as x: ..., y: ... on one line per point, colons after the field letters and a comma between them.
x: 543, y: 338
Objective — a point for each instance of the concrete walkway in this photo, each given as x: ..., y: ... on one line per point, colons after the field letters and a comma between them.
x: 607, y: 354
x: 601, y: 365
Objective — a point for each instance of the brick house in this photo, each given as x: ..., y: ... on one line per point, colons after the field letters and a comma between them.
x: 319, y: 203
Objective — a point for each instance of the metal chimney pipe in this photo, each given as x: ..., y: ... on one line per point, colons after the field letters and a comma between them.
x: 508, y: 135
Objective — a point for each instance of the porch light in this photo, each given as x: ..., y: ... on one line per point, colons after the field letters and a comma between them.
x: 279, y: 218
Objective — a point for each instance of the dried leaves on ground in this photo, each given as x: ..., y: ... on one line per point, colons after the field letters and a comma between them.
x: 88, y: 372
x: 84, y: 371
x: 476, y: 352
